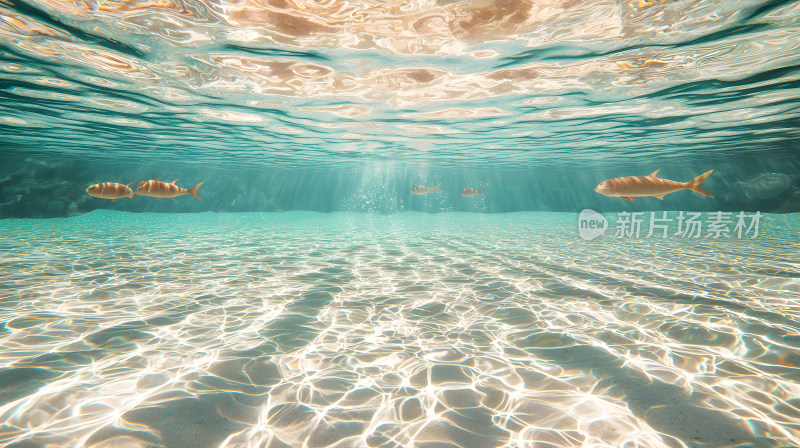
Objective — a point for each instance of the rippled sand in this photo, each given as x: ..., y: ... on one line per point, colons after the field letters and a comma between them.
x: 337, y: 330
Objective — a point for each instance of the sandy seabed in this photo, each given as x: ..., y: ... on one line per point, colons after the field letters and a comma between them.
x: 412, y: 330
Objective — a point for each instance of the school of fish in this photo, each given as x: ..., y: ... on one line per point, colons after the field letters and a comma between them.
x: 621, y: 187
x: 420, y: 190
x: 153, y: 188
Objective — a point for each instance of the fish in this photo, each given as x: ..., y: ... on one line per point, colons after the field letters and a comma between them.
x: 420, y: 190
x: 638, y: 186
x: 470, y: 192
x: 110, y: 190
x: 158, y: 189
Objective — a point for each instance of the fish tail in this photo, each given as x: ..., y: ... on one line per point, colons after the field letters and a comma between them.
x: 694, y: 184
x: 480, y: 191
x: 193, y: 190
x: 437, y: 188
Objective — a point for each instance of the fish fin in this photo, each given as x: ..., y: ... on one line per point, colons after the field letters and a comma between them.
x: 655, y: 173
x: 193, y: 191
x: 437, y: 188
x: 131, y: 195
x: 694, y: 184
x: 113, y: 200
x: 627, y: 198
x: 157, y: 178
x: 128, y: 184
x: 173, y: 182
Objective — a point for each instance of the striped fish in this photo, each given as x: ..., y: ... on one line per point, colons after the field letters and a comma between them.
x: 639, y: 186
x: 110, y: 190
x: 419, y: 190
x: 470, y: 192
x: 158, y: 189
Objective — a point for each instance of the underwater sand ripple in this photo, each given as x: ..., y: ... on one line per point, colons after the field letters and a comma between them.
x: 304, y: 329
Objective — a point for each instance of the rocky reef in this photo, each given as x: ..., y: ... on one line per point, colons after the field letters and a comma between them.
x: 44, y: 189
x: 765, y: 185
x: 769, y: 192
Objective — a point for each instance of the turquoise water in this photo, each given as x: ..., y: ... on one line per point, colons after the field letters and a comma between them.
x: 309, y: 299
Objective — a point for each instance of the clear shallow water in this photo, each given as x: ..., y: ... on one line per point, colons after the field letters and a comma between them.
x: 344, y: 106
x: 441, y: 321
x: 455, y: 329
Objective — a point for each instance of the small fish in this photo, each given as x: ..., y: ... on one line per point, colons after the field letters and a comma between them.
x: 110, y: 190
x: 470, y: 192
x: 420, y: 190
x: 158, y: 189
x: 638, y: 186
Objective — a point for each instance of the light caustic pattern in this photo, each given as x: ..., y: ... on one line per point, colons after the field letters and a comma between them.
x: 302, y: 329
